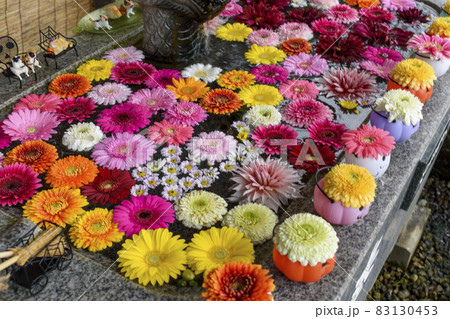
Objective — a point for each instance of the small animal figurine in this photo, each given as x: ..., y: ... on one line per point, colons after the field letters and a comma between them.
x: 127, y: 8
x: 101, y: 23
x: 18, y: 68
x: 30, y: 59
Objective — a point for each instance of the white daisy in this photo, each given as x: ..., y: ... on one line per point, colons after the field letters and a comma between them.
x: 140, y: 173
x: 152, y: 181
x: 211, y: 172
x: 187, y: 166
x: 228, y: 166
x: 169, y: 180
x: 170, y: 169
x: 196, y: 173
x: 174, y: 159
x: 298, y: 3
x: 187, y: 183
x: 200, y: 71
x: 82, y: 137
x: 171, y: 150
x: 139, y: 190
x: 204, y: 182
x: 172, y: 193
x: 156, y: 166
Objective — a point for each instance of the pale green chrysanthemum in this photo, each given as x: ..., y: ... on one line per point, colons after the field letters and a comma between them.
x: 256, y: 221
x: 262, y: 115
x: 306, y: 238
x: 402, y: 106
x: 199, y: 209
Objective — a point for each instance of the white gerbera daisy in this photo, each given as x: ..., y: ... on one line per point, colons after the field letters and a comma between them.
x: 262, y: 115
x: 82, y: 137
x: 200, y: 71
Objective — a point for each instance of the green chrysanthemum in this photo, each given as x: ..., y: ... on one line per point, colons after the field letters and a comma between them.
x: 306, y: 238
x: 262, y: 115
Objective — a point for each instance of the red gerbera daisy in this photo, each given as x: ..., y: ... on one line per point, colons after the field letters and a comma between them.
x: 376, y: 14
x: 266, y: 137
x: 311, y: 161
x: 78, y: 109
x: 132, y: 72
x: 172, y: 134
x: 327, y: 133
x: 260, y: 16
x: 328, y: 28
x: 305, y: 15
x: 345, y: 49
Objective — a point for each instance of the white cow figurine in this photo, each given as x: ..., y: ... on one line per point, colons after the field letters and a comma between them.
x: 30, y: 59
x: 18, y: 68
x: 101, y: 23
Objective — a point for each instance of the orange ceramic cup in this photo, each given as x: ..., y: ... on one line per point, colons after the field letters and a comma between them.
x: 422, y: 94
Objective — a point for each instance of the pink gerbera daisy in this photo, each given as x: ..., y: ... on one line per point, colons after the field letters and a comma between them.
x: 295, y: 30
x: 270, y: 136
x: 165, y: 132
x: 128, y: 54
x: 378, y: 55
x: 163, y: 78
x: 123, y: 151
x: 327, y: 133
x: 263, y: 38
x: 30, y: 125
x: 342, y: 13
x: 213, y: 147
x: 381, y: 70
x: 305, y: 64
x: 270, y: 74
x: 132, y: 72
x: 304, y: 112
x: 143, y: 212
x: 433, y: 46
x: 18, y: 182
x: 44, y: 102
x: 5, y: 139
x: 366, y: 142
x: 184, y: 112
x: 298, y: 89
x: 109, y: 93
x: 231, y: 9
x: 78, y: 109
x: 154, y: 100
x: 327, y: 27
x: 396, y: 5
x: 124, y: 117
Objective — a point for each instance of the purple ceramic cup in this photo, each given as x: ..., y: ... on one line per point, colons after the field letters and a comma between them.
x: 397, y: 129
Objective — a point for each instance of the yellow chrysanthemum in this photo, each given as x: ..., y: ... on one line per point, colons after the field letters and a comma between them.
x: 233, y: 32
x: 236, y: 79
x: 349, y: 105
x: 260, y: 94
x: 153, y: 256
x: 264, y: 55
x: 189, y: 89
x: 95, y: 230
x: 447, y: 7
x: 440, y: 27
x: 96, y: 70
x: 413, y: 74
x: 353, y: 185
x: 213, y: 247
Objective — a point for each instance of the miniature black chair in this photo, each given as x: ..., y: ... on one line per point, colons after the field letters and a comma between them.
x: 46, y: 37
x: 8, y: 49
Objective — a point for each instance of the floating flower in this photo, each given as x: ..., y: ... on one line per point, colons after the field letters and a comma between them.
x: 213, y: 247
x: 200, y: 71
x: 342, y: 13
x: 125, y: 117
x: 77, y: 109
x: 210, y: 27
x: 412, y: 16
x: 396, y: 5
x: 231, y: 9
x: 125, y: 55
x: 235, y: 79
x: 295, y: 46
x: 189, y: 89
x: 82, y: 137
x: 433, y: 46
x: 152, y: 181
x: 212, y: 147
x: 162, y: 78
x: 381, y: 70
x: 349, y: 105
x: 260, y: 95
x: 379, y: 55
x: 376, y: 14
x: 270, y: 74
x: 298, y: 3
x: 306, y: 15
x: 446, y: 7
x: 188, y: 113
x: 5, y: 139
x: 71, y: 171
x: 109, y: 93
x: 328, y: 28
x: 323, y: 4
x: 96, y: 70
x: 152, y: 256
x: 140, y: 173
x: 132, y: 72
x: 341, y: 50
x: 413, y: 74
x: 172, y: 192
x: 221, y: 101
x: 402, y: 106
x: 69, y: 85
x: 264, y: 55
x: 139, y: 190
x: 263, y: 38
x: 267, y: 137
x: 18, y: 182
x: 156, y: 166
x: 258, y: 15
x: 305, y: 112
x: 233, y: 32
x: 30, y: 125
x: 172, y: 134
x: 58, y: 205
x: 228, y: 166
x: 95, y: 230
x: 305, y: 65
x: 36, y: 154
x: 43, y: 102
x: 310, y: 161
x: 154, y: 100
x: 327, y: 133
x: 262, y: 115
x: 365, y: 3
x: 298, y: 89
x: 295, y: 30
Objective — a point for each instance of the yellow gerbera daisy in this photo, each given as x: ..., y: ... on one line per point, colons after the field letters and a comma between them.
x: 235, y: 79
x: 233, y: 32
x: 260, y: 94
x: 96, y: 70
x: 213, y: 247
x: 264, y: 55
x: 353, y: 185
x: 153, y: 256
x: 189, y: 89
x: 440, y: 27
x: 95, y: 230
x: 413, y: 74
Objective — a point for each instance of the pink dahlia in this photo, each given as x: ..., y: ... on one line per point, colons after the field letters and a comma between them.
x: 304, y: 112
x: 125, y: 55
x: 165, y: 132
x: 295, y: 30
x: 124, y: 117
x: 368, y: 142
x: 342, y: 13
x: 396, y: 5
x: 379, y: 55
x: 78, y: 109
x: 154, y: 100
x: 18, y: 182
x: 184, y: 112
x: 327, y: 133
x: 328, y: 27
x: 213, y: 147
x: 123, y: 151
x: 381, y: 70
x: 231, y: 9
x: 30, y: 125
x: 305, y: 64
x: 298, y: 89
x: 269, y: 137
x: 270, y: 74
x: 132, y: 72
x: 323, y: 4
x: 348, y: 84
x: 163, y: 78
x: 210, y: 27
x: 109, y: 93
x: 376, y: 14
x: 143, y: 212
x: 44, y: 102
x: 5, y: 139
x: 433, y: 46
x: 263, y: 38
x: 271, y: 182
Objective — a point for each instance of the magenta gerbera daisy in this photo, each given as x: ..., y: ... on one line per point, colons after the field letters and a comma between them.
x: 163, y: 78
x: 327, y: 133
x: 18, y: 182
x: 376, y: 14
x: 213, y: 147
x: 125, y: 117
x: 109, y: 93
x: 342, y: 13
x: 263, y: 38
x: 379, y: 55
x: 127, y: 54
x: 366, y: 142
x: 298, y: 89
x: 30, y: 125
x: 5, y: 139
x: 143, y: 212
x: 304, y: 112
x: 270, y: 136
x: 184, y: 112
x: 123, y: 151
x: 43, y: 102
x: 172, y: 134
x: 132, y: 72
x: 381, y: 70
x: 295, y: 30
x: 270, y: 74
x: 305, y: 64
x: 327, y: 27
x: 154, y: 100
x: 75, y: 109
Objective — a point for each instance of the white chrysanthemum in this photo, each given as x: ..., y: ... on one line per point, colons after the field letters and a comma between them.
x: 262, y: 115
x: 256, y: 221
x: 82, y: 137
x: 323, y: 4
x: 402, y: 106
x: 306, y: 238
x: 199, y: 209
x: 298, y: 3
x: 157, y: 165
x: 200, y: 71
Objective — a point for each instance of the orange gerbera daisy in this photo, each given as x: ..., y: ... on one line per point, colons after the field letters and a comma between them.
x: 368, y: 3
x: 37, y: 154
x: 72, y: 171
x: 235, y: 79
x: 58, y: 205
x: 189, y: 89
x: 70, y: 85
x: 295, y: 46
x: 238, y: 281
x: 221, y: 101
